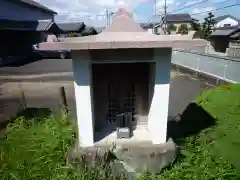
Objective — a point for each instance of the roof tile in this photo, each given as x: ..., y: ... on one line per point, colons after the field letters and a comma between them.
x: 178, y: 18
x: 36, y: 5
x: 71, y: 26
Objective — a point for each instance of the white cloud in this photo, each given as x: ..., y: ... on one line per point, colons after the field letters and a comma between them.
x: 202, y: 11
x: 88, y: 9
x: 218, y: 1
x: 189, y: 3
x: 161, y: 3
x: 93, y: 12
x: 177, y: 3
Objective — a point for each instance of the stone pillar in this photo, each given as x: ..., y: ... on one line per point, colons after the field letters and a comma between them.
x: 83, y: 97
x: 158, y: 113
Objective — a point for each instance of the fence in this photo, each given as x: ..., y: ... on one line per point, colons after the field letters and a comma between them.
x: 223, y: 68
x: 234, y: 49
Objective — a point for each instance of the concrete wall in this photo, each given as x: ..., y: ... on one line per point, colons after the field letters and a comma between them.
x: 15, y: 11
x: 231, y: 50
x: 234, y: 50
x: 224, y: 68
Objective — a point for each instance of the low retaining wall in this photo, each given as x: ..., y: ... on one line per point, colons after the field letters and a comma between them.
x: 198, y: 75
x: 217, y: 68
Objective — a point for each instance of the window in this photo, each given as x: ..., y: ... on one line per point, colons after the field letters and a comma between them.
x: 226, y: 25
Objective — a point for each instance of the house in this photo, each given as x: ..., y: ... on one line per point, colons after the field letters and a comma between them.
x: 99, y: 29
x: 24, y: 10
x: 174, y: 22
x: 88, y: 31
x: 22, y: 24
x: 221, y: 37
x: 148, y: 27
x: 226, y: 21
x: 73, y: 28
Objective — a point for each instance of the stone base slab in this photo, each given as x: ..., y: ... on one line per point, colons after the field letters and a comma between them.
x: 130, y: 160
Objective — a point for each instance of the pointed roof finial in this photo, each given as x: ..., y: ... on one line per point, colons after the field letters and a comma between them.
x: 122, y: 12
x: 122, y: 22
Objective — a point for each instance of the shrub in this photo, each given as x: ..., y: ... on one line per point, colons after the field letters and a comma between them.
x: 183, y: 29
x: 198, y: 35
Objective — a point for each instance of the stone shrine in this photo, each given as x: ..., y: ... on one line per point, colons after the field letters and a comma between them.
x: 122, y: 70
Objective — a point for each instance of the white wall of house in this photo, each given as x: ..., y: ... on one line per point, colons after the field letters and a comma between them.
x: 227, y: 21
x: 179, y: 24
x: 12, y: 11
x: 159, y: 30
x: 150, y: 30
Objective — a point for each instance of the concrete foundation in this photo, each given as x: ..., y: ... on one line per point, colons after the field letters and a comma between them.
x: 128, y: 159
x: 140, y: 134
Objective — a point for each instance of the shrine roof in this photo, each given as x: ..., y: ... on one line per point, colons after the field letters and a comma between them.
x: 121, y: 34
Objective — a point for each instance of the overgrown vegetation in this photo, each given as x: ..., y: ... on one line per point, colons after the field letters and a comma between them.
x: 34, y: 149
x: 213, y: 154
x: 171, y: 27
x: 195, y: 26
x: 198, y: 35
x: 37, y: 149
x: 183, y: 29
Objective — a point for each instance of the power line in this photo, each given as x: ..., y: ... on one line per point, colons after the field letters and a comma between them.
x: 185, y: 7
x: 203, y: 1
x: 164, y: 21
x: 217, y: 9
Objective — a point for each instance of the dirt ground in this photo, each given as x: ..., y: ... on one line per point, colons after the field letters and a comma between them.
x: 34, y: 94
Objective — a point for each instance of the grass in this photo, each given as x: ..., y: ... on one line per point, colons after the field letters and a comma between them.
x: 37, y: 149
x: 33, y: 149
x: 213, y: 154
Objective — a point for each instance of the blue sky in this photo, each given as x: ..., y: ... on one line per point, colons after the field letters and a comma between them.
x: 92, y: 11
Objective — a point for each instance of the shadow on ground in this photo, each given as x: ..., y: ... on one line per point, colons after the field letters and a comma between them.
x: 18, y: 62
x: 36, y: 113
x: 192, y: 121
x: 29, y: 113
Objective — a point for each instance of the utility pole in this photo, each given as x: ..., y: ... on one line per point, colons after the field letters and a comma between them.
x: 165, y: 16
x: 107, y: 18
x: 154, y: 10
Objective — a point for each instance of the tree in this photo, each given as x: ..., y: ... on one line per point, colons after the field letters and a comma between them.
x: 183, y: 29
x: 171, y: 27
x: 208, y: 25
x: 198, y: 35
x: 195, y: 26
x: 73, y: 34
